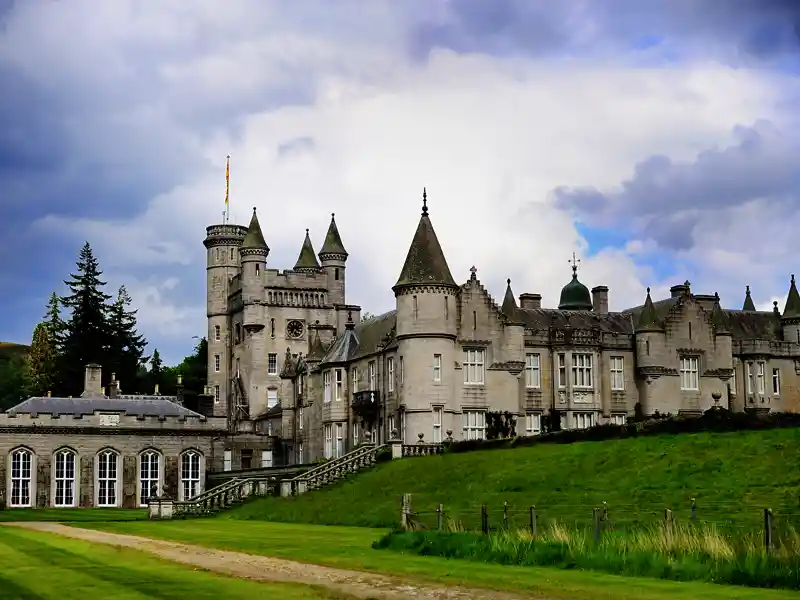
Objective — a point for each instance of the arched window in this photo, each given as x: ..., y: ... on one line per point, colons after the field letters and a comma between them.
x: 64, y: 471
x: 21, y: 460
x: 149, y: 476
x: 190, y: 474
x: 107, y: 469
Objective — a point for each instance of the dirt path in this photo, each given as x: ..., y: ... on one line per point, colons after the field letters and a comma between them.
x: 369, y: 586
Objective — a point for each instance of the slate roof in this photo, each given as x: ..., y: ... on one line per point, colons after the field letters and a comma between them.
x: 307, y: 259
x: 146, y: 406
x: 254, y: 238
x: 542, y: 318
x: 363, y: 339
x: 333, y: 241
x: 792, y: 308
x: 425, y: 262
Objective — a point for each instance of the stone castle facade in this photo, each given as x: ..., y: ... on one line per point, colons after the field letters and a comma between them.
x: 293, y: 367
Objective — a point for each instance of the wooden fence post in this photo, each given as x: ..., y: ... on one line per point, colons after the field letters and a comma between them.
x: 440, y: 517
x: 505, y: 515
x: 405, y: 516
x: 694, y: 510
x: 768, y: 529
x: 533, y: 521
x: 596, y: 520
x: 668, y: 518
x: 484, y: 520
x: 605, y: 511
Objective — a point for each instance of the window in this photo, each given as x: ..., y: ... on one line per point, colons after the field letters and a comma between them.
x: 217, y: 333
x: 437, y: 424
x: 371, y: 372
x: 617, y: 373
x: 238, y: 372
x: 776, y: 382
x: 300, y: 453
x: 473, y: 366
x: 618, y: 419
x: 237, y: 335
x: 149, y: 470
x: 300, y: 418
x: 326, y: 386
x: 416, y: 307
x: 355, y: 433
x: 474, y: 425
x: 749, y: 376
x: 732, y: 381
x: 355, y: 379
x: 446, y: 309
x: 266, y: 459
x: 300, y: 381
x: 216, y: 363
x: 190, y: 474
x: 339, y: 440
x: 339, y: 384
x: 228, y: 460
x: 582, y: 371
x: 533, y: 375
x: 402, y: 371
x: 64, y: 478
x: 533, y: 423
x: 391, y: 427
x: 232, y: 251
x: 272, y: 398
x: 390, y: 373
x: 336, y: 273
x: 258, y: 269
x: 760, y: 372
x: 328, y: 430
x: 689, y: 373
x: 107, y: 478
x: 216, y: 394
x: 269, y: 428
x: 437, y: 367
x: 562, y: 370
x: 21, y: 478
x: 403, y: 427
x: 272, y: 364
x: 582, y: 420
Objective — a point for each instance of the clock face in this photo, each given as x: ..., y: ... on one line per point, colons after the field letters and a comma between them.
x: 294, y: 329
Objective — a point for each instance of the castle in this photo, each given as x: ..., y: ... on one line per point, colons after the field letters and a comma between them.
x: 295, y: 369
x: 296, y: 375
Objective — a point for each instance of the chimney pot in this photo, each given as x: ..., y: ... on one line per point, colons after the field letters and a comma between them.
x: 530, y: 301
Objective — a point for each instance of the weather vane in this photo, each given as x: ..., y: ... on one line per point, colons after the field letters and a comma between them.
x: 574, y: 262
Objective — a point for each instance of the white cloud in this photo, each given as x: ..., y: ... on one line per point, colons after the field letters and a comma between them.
x: 489, y: 138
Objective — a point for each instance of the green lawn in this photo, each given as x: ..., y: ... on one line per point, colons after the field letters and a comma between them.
x: 40, y: 566
x: 733, y: 476
x: 76, y: 515
x: 350, y: 547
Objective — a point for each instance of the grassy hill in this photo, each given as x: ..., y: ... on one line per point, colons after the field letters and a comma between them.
x: 10, y: 350
x: 733, y: 477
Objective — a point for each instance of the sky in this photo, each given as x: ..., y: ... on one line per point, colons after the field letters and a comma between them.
x: 656, y: 139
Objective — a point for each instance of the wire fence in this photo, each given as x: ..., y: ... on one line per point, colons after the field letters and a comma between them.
x: 738, y: 520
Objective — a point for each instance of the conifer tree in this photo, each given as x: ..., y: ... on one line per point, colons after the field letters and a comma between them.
x: 126, y: 346
x: 54, y: 322
x: 42, y: 361
x: 87, y: 337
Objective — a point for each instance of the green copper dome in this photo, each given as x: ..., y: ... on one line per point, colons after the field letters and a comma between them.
x: 575, y: 295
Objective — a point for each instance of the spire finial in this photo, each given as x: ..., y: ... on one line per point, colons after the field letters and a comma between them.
x: 716, y: 296
x: 508, y: 281
x: 648, y: 290
x: 254, y: 210
x: 333, y: 215
x: 306, y: 230
x: 747, y: 290
x: 574, y: 262
x: 349, y: 316
x: 792, y: 277
x: 424, y: 202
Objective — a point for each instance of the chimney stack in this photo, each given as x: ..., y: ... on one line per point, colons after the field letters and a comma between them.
x: 179, y: 393
x: 113, y: 387
x: 600, y: 299
x: 530, y: 301
x: 92, y: 386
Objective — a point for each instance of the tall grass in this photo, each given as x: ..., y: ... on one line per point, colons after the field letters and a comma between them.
x: 666, y: 551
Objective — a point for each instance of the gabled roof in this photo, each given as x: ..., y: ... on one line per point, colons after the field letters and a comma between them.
x: 333, y: 241
x: 425, y: 262
x: 254, y: 238
x: 145, y: 406
x: 307, y: 260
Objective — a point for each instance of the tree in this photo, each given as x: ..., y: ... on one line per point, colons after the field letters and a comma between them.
x: 87, y: 336
x: 194, y: 368
x: 54, y: 322
x: 42, y: 361
x: 125, y: 345
x: 14, y: 381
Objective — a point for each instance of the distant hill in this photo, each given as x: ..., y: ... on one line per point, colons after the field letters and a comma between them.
x: 10, y: 350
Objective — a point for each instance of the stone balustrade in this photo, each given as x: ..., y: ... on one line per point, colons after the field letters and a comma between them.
x: 223, y: 496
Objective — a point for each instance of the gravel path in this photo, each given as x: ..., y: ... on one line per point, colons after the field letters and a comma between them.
x: 369, y: 586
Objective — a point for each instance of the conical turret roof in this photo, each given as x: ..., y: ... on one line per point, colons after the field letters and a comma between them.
x: 333, y: 241
x: 648, y: 318
x: 748, y: 300
x: 307, y: 261
x: 425, y: 262
x: 792, y: 308
x: 510, y: 308
x: 254, y: 238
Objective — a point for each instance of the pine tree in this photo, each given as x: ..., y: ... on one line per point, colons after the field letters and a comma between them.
x: 87, y: 337
x: 126, y: 346
x: 42, y: 361
x: 54, y: 322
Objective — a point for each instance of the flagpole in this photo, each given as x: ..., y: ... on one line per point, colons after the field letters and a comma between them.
x: 227, y: 188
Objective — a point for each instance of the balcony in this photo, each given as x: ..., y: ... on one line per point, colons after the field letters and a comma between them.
x: 366, y: 404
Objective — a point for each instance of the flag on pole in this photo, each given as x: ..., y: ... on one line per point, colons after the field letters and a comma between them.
x: 227, y: 178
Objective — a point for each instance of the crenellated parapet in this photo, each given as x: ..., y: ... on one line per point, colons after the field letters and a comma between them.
x: 109, y: 422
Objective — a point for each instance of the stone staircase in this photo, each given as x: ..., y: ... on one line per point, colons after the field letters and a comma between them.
x: 228, y: 494
x: 333, y: 470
